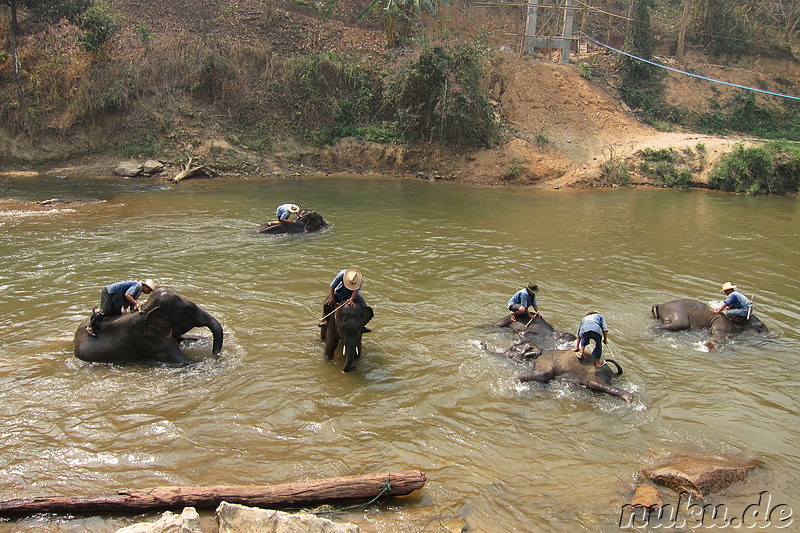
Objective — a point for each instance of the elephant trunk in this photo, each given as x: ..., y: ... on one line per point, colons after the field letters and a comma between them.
x: 216, y: 330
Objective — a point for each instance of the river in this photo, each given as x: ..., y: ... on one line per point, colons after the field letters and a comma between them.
x: 440, y: 261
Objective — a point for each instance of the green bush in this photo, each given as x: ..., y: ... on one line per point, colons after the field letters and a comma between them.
x: 99, y: 23
x: 438, y: 96
x: 770, y: 169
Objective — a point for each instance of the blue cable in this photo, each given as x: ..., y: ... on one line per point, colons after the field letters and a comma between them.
x: 690, y: 74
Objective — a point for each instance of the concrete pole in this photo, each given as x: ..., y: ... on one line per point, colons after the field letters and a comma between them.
x: 569, y: 18
x: 530, y: 26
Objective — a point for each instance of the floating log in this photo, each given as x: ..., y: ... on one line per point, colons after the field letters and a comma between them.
x: 300, y: 494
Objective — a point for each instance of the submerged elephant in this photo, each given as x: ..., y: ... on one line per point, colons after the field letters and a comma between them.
x: 537, y: 330
x: 522, y: 350
x: 692, y: 314
x: 564, y: 364
x: 346, y: 325
x: 150, y: 335
x: 307, y: 221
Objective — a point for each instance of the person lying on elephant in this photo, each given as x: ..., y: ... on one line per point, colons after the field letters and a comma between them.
x: 283, y: 212
x: 592, y: 328
x: 522, y: 300
x: 116, y: 297
x: 345, y: 290
x: 736, y: 305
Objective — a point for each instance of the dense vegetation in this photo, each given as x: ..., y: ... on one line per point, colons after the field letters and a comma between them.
x: 62, y: 61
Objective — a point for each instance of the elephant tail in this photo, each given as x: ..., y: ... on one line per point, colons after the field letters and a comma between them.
x: 619, y: 367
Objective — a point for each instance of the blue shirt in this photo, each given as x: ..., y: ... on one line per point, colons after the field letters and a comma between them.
x: 594, y: 322
x: 737, y: 300
x: 118, y: 291
x: 340, y: 292
x: 283, y: 211
x: 523, y: 298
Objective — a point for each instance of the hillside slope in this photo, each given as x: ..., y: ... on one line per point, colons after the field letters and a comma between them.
x: 563, y: 130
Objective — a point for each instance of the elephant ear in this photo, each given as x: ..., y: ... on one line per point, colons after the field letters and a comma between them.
x: 157, y: 324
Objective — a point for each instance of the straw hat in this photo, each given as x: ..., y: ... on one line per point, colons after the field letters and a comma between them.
x: 150, y: 283
x: 352, y: 279
x: 293, y: 208
x: 591, y: 313
x: 728, y: 286
x: 532, y: 287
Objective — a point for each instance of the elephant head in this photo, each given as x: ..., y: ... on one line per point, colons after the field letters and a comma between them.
x: 152, y: 334
x: 536, y: 330
x: 346, y: 325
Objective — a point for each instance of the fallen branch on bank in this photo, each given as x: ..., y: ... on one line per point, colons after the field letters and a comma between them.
x: 300, y: 494
x: 191, y: 172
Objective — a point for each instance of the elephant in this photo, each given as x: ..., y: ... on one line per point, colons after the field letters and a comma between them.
x: 307, y: 221
x: 537, y: 330
x: 693, y: 314
x: 564, y: 364
x: 522, y: 350
x: 152, y: 334
x: 346, y: 325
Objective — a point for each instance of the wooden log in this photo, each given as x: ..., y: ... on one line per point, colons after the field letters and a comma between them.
x: 299, y: 494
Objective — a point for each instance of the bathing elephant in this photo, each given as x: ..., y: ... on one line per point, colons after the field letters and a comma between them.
x: 564, y: 364
x: 346, y: 325
x: 522, y: 350
x: 537, y: 330
x: 692, y: 314
x: 150, y: 335
x: 307, y: 221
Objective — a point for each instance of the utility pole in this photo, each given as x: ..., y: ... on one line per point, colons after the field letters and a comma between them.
x: 682, y: 34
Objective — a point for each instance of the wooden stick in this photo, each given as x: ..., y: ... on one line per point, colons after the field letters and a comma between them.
x: 300, y: 494
x: 329, y: 314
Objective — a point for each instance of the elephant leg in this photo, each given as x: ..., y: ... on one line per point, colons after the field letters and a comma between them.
x: 597, y: 384
x: 167, y: 350
x: 536, y: 375
x: 331, y: 343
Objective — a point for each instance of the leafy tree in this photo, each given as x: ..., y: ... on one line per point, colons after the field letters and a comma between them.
x: 724, y: 26
x: 396, y: 11
x: 50, y: 11
x: 783, y: 12
x: 438, y: 96
x: 641, y: 83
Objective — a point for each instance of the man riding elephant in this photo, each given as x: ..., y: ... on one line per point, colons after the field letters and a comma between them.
x: 345, y: 290
x: 736, y: 305
x: 116, y: 297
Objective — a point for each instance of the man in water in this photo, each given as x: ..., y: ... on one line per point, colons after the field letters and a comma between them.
x: 283, y: 212
x: 593, y: 327
x: 736, y: 305
x: 522, y: 300
x: 345, y: 289
x: 116, y: 297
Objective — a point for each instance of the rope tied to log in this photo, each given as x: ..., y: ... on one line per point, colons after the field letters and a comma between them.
x: 385, y: 490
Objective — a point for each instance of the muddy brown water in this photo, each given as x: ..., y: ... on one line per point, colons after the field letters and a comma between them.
x: 440, y: 261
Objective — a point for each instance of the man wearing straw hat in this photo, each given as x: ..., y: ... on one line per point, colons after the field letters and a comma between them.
x: 345, y: 290
x: 736, y: 305
x: 522, y: 300
x: 283, y: 212
x: 116, y: 297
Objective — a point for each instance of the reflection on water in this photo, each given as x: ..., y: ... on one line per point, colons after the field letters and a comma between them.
x: 440, y: 261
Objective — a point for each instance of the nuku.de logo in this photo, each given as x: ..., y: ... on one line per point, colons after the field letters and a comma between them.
x: 685, y: 514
